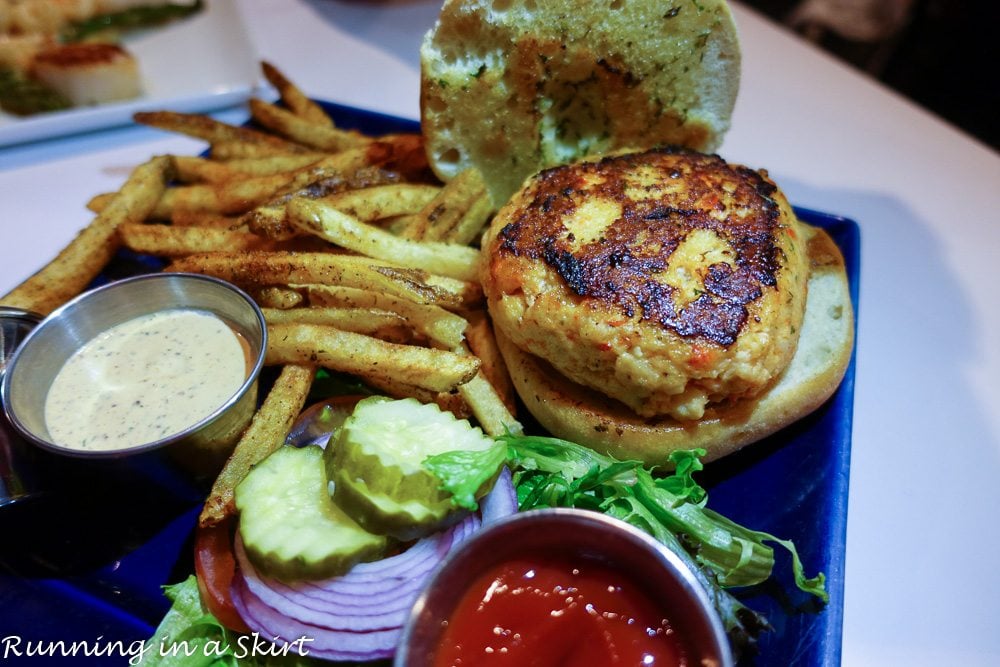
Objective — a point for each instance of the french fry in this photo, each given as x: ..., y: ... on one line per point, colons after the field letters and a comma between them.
x: 286, y: 268
x: 182, y: 218
x: 471, y: 225
x: 234, y: 149
x: 321, y: 219
x: 454, y: 213
x: 273, y: 296
x: 483, y: 343
x: 275, y: 164
x: 397, y: 225
x: 269, y: 219
x: 451, y: 401
x: 302, y: 131
x: 213, y: 131
x: 443, y: 328
x: 99, y: 202
x: 238, y: 195
x: 488, y: 408
x: 294, y: 98
x: 368, y: 357
x: 267, y: 431
x: 86, y: 255
x: 369, y: 321
x: 382, y: 201
x: 198, y: 169
x: 170, y: 241
x: 191, y: 169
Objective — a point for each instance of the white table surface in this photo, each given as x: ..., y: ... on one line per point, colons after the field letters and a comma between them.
x: 923, y: 551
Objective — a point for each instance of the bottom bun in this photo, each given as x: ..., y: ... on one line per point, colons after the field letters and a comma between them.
x: 573, y: 412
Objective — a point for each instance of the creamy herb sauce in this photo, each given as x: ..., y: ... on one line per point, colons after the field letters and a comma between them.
x: 145, y: 379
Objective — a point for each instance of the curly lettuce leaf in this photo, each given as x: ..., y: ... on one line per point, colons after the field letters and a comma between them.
x: 464, y: 472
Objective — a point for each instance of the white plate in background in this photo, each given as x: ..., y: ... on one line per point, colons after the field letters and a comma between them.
x: 199, y: 63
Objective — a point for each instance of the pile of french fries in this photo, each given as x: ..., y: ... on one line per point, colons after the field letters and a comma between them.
x: 361, y: 261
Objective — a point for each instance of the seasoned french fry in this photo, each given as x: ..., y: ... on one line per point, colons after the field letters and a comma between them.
x: 432, y: 369
x: 488, y: 407
x: 191, y: 169
x: 184, y: 218
x: 321, y: 219
x: 382, y: 201
x: 397, y: 225
x: 286, y: 268
x: 275, y: 164
x: 273, y: 296
x: 99, y: 202
x: 304, y: 132
x: 267, y: 432
x: 451, y: 401
x: 443, y: 217
x: 227, y: 150
x: 471, y: 225
x: 369, y: 321
x: 483, y: 343
x: 269, y: 218
x: 443, y: 328
x: 170, y: 241
x: 87, y: 254
x: 213, y: 131
x: 197, y: 169
x: 294, y: 98
x: 239, y: 195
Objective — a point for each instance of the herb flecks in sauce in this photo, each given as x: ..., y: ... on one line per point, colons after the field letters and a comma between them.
x: 143, y: 380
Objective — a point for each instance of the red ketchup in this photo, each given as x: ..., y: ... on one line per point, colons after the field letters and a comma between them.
x: 559, y: 611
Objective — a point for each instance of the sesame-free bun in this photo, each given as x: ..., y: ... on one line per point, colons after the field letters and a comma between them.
x: 586, y: 416
x: 665, y: 299
x: 513, y: 86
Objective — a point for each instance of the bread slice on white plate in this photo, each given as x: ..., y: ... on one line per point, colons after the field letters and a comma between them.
x: 512, y: 86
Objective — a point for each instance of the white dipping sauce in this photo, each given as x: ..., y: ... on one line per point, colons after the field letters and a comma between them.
x: 145, y: 379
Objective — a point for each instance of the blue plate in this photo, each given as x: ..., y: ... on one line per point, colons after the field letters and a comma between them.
x: 86, y: 562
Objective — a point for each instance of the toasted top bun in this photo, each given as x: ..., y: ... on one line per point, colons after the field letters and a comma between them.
x: 588, y: 417
x: 512, y: 86
x: 668, y: 280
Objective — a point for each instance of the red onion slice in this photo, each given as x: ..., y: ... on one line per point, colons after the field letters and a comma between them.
x: 501, y: 501
x: 357, y: 616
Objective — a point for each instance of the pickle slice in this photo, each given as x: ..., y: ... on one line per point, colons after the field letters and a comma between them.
x: 376, y: 465
x: 290, y: 526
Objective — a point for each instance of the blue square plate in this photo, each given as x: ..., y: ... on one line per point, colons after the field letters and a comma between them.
x: 88, y: 560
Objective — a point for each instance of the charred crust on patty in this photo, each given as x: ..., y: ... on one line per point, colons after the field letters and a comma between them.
x: 620, y: 266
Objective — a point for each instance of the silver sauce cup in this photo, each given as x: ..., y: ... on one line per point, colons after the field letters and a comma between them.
x: 578, y: 534
x: 19, y: 470
x: 203, y: 446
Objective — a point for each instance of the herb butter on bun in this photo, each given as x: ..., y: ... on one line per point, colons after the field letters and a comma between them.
x: 513, y: 86
x: 660, y: 300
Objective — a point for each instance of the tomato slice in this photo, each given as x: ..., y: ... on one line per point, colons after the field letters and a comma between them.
x: 215, y: 566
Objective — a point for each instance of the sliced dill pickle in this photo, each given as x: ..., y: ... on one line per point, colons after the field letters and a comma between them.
x: 290, y: 526
x: 376, y: 465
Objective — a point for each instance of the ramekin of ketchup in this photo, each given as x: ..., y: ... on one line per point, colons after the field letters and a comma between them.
x: 558, y: 587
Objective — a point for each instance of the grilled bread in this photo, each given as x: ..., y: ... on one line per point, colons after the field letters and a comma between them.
x: 512, y: 86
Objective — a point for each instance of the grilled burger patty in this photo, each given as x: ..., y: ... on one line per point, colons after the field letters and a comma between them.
x: 668, y: 280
